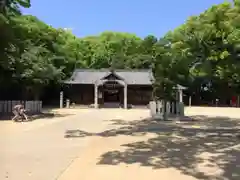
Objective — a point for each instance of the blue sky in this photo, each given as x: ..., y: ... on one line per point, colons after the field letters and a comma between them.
x: 141, y: 17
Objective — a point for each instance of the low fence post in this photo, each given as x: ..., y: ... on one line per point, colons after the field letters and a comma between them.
x: 167, y: 112
x: 181, y: 109
x: 153, y: 108
x: 67, y: 103
x: 177, y: 108
x: 160, y: 110
x: 172, y: 108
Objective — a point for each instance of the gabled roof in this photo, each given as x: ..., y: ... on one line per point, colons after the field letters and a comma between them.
x: 90, y: 76
x: 112, y: 74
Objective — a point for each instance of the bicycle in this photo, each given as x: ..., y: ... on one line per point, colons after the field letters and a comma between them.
x: 22, y: 117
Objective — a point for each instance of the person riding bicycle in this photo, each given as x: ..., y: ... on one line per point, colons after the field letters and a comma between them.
x: 19, y: 112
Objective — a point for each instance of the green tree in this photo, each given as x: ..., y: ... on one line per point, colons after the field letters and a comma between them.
x: 12, y: 7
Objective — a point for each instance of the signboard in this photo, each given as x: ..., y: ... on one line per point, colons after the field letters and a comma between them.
x: 111, y: 91
x: 111, y: 84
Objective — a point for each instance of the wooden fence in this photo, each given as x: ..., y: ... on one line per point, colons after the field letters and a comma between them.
x: 31, y: 106
x: 157, y: 109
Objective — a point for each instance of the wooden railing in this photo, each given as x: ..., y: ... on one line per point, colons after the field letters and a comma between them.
x: 31, y: 106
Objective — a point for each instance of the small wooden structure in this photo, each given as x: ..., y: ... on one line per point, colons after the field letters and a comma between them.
x: 6, y: 107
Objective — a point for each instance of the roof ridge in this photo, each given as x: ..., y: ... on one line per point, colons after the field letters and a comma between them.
x: 133, y: 70
x: 91, y: 70
x: 108, y: 70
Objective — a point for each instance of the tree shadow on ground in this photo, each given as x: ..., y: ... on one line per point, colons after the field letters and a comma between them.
x: 211, y: 153
x: 33, y: 117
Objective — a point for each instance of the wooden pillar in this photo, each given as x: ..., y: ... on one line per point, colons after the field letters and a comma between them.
x: 177, y: 102
x: 61, y: 99
x: 237, y: 101
x: 190, y: 101
x: 95, y: 95
x: 125, y: 96
x: 181, y: 104
x: 180, y: 91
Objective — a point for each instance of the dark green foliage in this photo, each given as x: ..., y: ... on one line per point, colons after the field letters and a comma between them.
x: 204, y: 50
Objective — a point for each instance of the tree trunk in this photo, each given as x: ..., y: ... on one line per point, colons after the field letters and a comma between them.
x: 165, y: 118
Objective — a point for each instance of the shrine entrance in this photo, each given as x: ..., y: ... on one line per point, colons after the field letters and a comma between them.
x: 111, y: 96
x: 112, y: 92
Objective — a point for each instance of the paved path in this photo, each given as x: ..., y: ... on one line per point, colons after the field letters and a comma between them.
x: 114, y: 144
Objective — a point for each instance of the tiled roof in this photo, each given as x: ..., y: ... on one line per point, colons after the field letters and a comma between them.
x: 90, y: 76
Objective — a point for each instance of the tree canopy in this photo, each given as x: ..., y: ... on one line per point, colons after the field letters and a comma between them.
x: 202, y: 54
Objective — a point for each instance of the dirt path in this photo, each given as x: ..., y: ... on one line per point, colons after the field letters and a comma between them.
x: 39, y: 150
x: 119, y: 144
x: 154, y: 150
x: 87, y: 165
